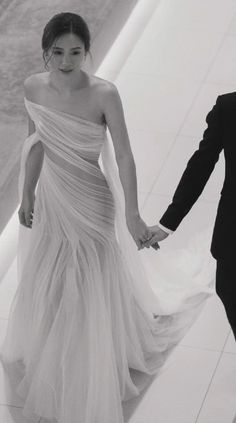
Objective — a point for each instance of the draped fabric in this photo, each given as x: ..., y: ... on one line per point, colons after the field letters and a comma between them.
x: 91, y: 312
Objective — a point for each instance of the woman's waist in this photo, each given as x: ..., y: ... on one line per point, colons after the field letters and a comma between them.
x: 88, y: 147
x: 74, y: 162
x: 86, y: 174
x: 82, y: 194
x: 69, y: 155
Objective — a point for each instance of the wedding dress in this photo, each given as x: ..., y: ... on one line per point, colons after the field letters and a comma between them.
x: 89, y: 308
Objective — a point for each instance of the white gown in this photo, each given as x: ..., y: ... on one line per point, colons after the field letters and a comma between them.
x: 90, y: 310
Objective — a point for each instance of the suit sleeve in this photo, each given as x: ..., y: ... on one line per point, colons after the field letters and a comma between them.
x: 197, y: 172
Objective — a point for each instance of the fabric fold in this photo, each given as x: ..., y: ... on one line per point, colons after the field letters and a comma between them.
x: 90, y: 310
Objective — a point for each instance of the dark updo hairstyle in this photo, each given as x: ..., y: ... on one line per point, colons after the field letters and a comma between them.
x: 64, y: 23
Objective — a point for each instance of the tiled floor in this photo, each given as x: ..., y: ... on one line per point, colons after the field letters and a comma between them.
x: 169, y: 83
x: 183, y: 60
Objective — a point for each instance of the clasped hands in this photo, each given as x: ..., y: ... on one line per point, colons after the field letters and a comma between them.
x: 144, y: 236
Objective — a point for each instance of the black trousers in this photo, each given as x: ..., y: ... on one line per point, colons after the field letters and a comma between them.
x: 226, y: 289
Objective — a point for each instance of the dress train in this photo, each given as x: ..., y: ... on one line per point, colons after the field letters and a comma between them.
x: 90, y: 311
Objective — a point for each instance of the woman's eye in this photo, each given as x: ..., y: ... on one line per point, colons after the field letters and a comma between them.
x: 59, y: 53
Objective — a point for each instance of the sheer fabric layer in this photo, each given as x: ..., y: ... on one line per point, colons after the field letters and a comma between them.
x: 82, y: 324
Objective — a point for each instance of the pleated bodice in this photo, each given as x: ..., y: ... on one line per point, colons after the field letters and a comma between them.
x: 71, y: 173
x: 70, y: 137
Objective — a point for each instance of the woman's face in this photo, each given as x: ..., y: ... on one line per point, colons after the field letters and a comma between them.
x: 67, y: 54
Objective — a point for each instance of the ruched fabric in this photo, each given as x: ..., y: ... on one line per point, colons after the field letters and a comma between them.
x: 91, y: 314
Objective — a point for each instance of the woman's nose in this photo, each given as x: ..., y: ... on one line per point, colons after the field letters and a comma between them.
x: 66, y: 60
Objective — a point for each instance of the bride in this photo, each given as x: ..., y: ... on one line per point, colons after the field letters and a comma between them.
x: 90, y: 313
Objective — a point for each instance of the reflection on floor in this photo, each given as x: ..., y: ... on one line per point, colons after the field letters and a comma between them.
x: 183, y: 60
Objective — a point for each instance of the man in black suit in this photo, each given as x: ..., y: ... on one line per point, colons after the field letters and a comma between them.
x: 219, y: 136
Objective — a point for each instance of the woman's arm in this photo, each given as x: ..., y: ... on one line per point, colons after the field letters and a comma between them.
x: 35, y: 158
x: 32, y: 171
x: 33, y: 167
x: 114, y: 116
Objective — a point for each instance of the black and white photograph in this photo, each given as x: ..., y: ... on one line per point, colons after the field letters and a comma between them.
x: 118, y: 211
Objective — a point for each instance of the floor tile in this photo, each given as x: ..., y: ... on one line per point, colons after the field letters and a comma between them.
x: 156, y: 103
x: 194, y: 15
x: 150, y: 150
x: 174, y: 53
x: 177, y: 394
x: 141, y: 198
x: 220, y: 405
x: 195, y: 122
x: 230, y: 346
x: 183, y: 148
x: 224, y: 68
x: 211, y: 329
x: 232, y: 26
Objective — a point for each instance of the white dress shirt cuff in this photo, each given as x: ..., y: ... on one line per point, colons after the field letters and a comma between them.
x: 167, y: 230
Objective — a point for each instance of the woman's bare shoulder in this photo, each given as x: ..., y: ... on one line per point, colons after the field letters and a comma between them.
x: 101, y: 84
x: 105, y: 91
x: 33, y: 84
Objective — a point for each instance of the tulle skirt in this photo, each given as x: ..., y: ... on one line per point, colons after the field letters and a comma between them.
x: 90, y: 315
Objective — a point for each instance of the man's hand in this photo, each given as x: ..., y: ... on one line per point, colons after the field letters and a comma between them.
x: 157, y: 235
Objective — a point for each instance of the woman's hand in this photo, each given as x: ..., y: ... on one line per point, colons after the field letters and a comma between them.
x: 138, y: 229
x: 26, y: 210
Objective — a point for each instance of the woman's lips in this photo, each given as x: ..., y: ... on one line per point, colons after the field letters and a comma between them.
x: 66, y: 70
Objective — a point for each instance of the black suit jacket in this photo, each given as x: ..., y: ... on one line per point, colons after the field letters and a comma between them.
x: 220, y: 135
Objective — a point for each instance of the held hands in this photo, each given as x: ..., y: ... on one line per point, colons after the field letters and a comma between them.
x: 26, y: 210
x: 138, y: 229
x: 156, y: 235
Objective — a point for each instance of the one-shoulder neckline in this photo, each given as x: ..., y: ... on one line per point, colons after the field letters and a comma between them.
x: 100, y: 125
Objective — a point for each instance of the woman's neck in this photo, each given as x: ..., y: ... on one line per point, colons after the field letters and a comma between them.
x: 67, y: 84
